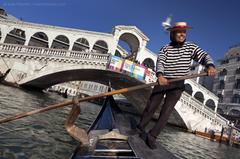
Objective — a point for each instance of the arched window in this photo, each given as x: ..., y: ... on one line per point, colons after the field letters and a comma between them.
x: 81, y: 45
x: 236, y: 98
x: 238, y: 58
x: 223, y: 72
x: 188, y: 89
x: 101, y: 46
x: 39, y: 39
x: 210, y: 103
x: 148, y: 62
x: 224, y: 61
x: 16, y: 36
x: 130, y: 44
x: 221, y: 84
x: 238, y: 70
x: 199, y: 96
x: 237, y: 84
x: 60, y: 42
x: 3, y: 12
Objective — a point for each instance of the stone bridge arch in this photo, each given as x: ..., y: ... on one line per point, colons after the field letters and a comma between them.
x: 133, y: 43
x: 188, y: 89
x: 210, y: 103
x: 49, y: 77
x: 81, y: 44
x: 60, y: 42
x: 101, y: 46
x: 118, y: 80
x: 133, y: 37
x: 148, y: 62
x: 199, y: 96
x: 39, y: 39
x: 16, y: 36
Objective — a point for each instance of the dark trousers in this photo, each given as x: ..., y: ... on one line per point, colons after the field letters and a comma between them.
x: 172, y: 94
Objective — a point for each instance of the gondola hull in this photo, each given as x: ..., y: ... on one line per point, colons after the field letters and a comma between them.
x: 110, y: 137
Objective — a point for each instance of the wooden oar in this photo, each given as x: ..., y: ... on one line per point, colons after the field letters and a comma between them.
x: 69, y: 102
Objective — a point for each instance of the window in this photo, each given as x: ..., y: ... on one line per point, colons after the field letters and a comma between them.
x: 224, y: 61
x: 188, y: 88
x: 236, y: 98
x: 210, y: 103
x: 199, y: 96
x: 101, y: 46
x: 237, y: 84
x: 222, y: 84
x: 223, y: 72
x: 81, y: 45
x: 238, y: 71
x: 15, y: 36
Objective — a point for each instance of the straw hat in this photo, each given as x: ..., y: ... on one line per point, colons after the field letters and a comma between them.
x: 179, y: 26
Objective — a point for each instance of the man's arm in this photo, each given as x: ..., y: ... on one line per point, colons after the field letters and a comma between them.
x: 160, y: 67
x: 204, y: 58
x: 160, y: 62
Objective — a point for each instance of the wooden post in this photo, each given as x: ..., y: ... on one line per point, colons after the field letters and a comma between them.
x: 220, y: 140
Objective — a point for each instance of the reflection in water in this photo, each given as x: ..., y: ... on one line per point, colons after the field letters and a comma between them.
x: 42, y: 136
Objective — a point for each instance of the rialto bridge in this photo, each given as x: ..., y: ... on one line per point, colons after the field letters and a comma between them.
x: 41, y: 56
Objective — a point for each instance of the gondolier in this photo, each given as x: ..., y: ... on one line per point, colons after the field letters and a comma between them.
x: 173, y: 61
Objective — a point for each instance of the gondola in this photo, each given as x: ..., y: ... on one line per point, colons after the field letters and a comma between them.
x: 110, y: 136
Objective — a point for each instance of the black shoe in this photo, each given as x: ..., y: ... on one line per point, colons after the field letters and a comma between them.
x: 151, y: 141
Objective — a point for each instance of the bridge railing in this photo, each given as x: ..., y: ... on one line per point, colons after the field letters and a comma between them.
x: 49, y: 52
x: 196, y: 105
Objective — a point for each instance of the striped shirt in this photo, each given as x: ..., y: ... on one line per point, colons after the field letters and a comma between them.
x: 174, y: 62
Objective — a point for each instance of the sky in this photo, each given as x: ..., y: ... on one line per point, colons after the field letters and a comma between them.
x: 216, y: 23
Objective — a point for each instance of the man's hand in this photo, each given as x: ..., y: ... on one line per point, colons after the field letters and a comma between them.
x: 211, y: 71
x: 162, y: 81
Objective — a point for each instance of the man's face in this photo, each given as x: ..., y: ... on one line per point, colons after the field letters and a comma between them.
x: 179, y: 36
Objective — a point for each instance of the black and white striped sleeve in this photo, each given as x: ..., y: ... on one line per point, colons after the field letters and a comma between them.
x: 202, y: 57
x: 161, y: 61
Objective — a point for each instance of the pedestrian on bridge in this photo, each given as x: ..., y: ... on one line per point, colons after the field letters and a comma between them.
x: 173, y: 61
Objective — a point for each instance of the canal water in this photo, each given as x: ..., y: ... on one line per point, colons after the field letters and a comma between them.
x: 43, y: 136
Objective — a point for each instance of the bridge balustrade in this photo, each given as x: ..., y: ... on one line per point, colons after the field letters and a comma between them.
x: 204, y: 110
x: 39, y: 51
x: 81, y: 55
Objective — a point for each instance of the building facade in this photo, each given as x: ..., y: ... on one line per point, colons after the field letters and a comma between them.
x: 227, y: 83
